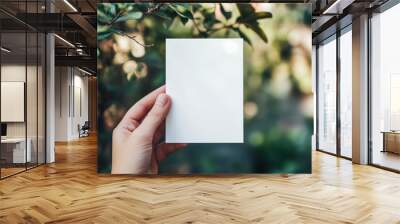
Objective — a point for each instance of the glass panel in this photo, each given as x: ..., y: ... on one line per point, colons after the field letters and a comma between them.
x: 314, y: 75
x: 13, y: 89
x: 41, y: 88
x: 41, y: 99
x: 31, y: 100
x: 346, y: 94
x: 32, y: 86
x: 327, y: 96
x: 385, y: 128
x: 23, y: 82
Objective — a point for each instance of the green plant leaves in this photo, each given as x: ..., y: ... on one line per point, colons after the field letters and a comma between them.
x: 226, y: 14
x: 103, y: 36
x: 250, y: 18
x: 257, y: 29
x: 102, y: 17
x: 182, y: 10
x: 243, y: 35
x: 245, y: 9
x: 130, y: 16
x: 209, y: 20
x: 106, y: 12
x: 103, y: 32
x: 109, y: 14
x: 254, y: 16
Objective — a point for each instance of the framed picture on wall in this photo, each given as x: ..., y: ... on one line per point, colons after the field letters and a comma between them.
x: 12, y: 101
x: 273, y: 88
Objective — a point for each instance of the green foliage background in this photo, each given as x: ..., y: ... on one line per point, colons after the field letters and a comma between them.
x: 278, y: 103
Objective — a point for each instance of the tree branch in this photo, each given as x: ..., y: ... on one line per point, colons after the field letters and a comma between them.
x: 132, y: 38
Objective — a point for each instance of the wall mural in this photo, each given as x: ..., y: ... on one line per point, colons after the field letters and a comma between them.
x: 277, y: 87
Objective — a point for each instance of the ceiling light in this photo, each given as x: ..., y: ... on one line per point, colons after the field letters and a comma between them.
x: 5, y: 50
x: 65, y: 41
x: 80, y: 51
x: 70, y: 5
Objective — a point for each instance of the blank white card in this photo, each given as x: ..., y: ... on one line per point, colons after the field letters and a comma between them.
x: 204, y: 78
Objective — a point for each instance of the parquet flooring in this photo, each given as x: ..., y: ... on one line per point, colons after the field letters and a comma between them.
x: 11, y: 170
x: 70, y: 191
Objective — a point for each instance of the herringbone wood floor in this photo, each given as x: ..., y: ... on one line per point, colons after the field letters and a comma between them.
x: 70, y: 191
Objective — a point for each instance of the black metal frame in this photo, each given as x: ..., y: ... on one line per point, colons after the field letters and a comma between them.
x: 338, y: 98
x: 317, y: 100
x: 26, y: 92
x: 387, y: 5
x: 0, y: 90
x: 44, y: 70
x: 369, y: 90
x: 316, y: 97
x: 339, y: 32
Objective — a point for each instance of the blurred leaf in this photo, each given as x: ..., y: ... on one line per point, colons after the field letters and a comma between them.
x: 167, y: 15
x: 188, y: 14
x: 163, y: 15
x: 257, y: 29
x: 143, y: 7
x: 130, y: 16
x: 196, y: 7
x: 182, y: 11
x: 226, y: 14
x: 255, y: 16
x: 203, y: 34
x: 249, y: 17
x: 184, y: 20
x: 102, y: 17
x: 103, y: 35
x: 101, y: 29
x: 110, y: 9
x: 183, y: 6
x: 243, y: 35
x: 122, y: 5
x: 209, y: 20
x: 245, y: 9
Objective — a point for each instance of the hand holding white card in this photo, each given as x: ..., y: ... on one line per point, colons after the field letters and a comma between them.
x: 204, y: 78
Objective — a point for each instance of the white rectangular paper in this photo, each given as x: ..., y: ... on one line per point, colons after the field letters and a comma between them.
x: 204, y: 78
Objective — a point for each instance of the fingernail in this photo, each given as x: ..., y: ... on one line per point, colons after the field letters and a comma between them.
x: 162, y: 99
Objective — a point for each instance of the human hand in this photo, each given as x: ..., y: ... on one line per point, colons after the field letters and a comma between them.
x: 135, y: 141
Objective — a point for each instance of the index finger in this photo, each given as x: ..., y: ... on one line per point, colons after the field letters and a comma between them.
x: 139, y: 110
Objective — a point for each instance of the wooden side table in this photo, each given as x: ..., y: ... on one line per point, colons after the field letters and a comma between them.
x: 391, y: 141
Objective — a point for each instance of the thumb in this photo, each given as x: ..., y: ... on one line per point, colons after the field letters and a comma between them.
x: 155, y: 117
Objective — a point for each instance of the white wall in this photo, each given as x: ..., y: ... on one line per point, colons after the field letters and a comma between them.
x: 12, y: 73
x: 61, y: 103
x: 80, y: 100
x: 16, y: 73
x: 33, y: 126
x: 71, y: 93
